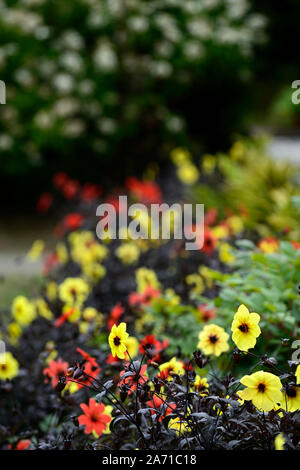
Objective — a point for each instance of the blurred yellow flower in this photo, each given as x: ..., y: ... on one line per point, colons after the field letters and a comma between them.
x: 208, y: 164
x: 51, y: 291
x: 146, y: 277
x: 180, y: 156
x: 9, y: 366
x: 23, y: 310
x: 235, y: 224
x: 94, y: 271
x: 43, y: 309
x: 188, y: 173
x: 36, y: 250
x: 73, y: 290
x: 128, y: 253
x: 90, y: 314
x: 75, y: 315
x: 237, y: 151
x: 225, y: 253
x: 220, y: 231
x: 14, y: 331
x: 196, y: 281
x: 213, y: 339
x: 62, y: 252
x: 279, y: 442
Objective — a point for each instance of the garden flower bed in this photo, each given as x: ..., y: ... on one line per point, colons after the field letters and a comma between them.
x: 143, y: 344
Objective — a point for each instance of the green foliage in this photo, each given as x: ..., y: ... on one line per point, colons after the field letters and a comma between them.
x: 250, y: 180
x: 87, y: 77
x: 266, y: 284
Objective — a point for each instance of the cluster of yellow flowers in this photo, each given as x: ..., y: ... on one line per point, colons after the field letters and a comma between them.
x: 263, y: 388
x: 88, y: 253
x: 24, y: 312
x: 187, y: 172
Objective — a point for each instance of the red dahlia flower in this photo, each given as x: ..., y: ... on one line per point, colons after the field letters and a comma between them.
x: 207, y: 313
x: 55, y: 370
x: 133, y: 377
x: 152, y: 347
x: 94, y: 417
x: 160, y: 407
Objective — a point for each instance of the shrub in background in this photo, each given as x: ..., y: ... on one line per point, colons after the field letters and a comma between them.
x: 93, y: 77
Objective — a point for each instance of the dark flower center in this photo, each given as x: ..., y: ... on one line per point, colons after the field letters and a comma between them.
x: 213, y: 339
x: 291, y: 392
x: 3, y: 366
x: 261, y: 387
x: 117, y: 341
x: 244, y: 328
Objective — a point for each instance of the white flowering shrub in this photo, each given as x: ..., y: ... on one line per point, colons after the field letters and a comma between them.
x: 92, y: 77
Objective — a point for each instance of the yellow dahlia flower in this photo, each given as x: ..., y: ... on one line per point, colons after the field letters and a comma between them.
x: 213, y: 339
x: 263, y: 389
x: 291, y: 399
x: 117, y: 340
x: 245, y: 328
x: 9, y: 366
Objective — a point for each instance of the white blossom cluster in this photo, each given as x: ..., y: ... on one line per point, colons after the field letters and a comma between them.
x: 89, y: 68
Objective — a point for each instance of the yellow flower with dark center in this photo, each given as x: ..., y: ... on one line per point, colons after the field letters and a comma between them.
x: 117, y: 340
x: 73, y: 290
x: 23, y: 310
x: 167, y: 369
x: 201, y: 385
x: 245, y: 328
x: 291, y: 399
x: 263, y: 389
x: 279, y: 442
x: 213, y: 339
x: 9, y: 366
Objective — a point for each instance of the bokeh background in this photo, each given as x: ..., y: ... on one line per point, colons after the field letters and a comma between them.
x: 100, y: 89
